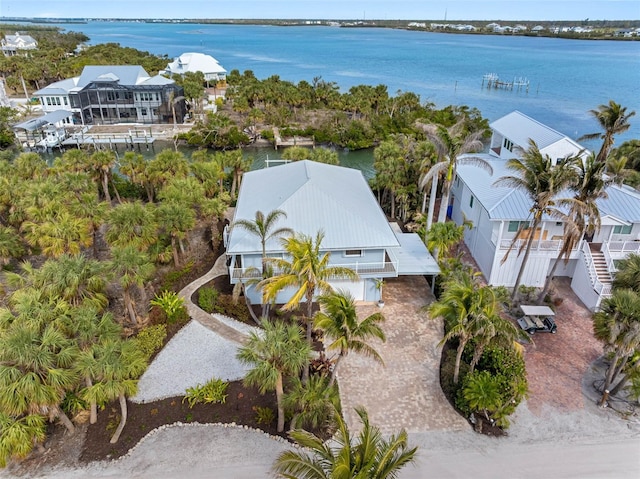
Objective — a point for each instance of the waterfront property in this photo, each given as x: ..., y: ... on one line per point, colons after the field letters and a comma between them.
x: 17, y: 44
x: 115, y: 94
x: 197, y: 62
x: 497, y: 214
x: 339, y: 202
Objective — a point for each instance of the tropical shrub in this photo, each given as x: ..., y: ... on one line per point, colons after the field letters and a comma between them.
x: 237, y: 310
x: 213, y: 391
x: 207, y: 298
x: 173, y: 306
x: 19, y: 435
x: 264, y: 415
x: 151, y: 339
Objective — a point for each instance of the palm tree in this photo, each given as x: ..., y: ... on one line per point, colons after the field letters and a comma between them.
x: 18, y: 435
x: 115, y: 365
x: 450, y: 143
x: 369, y: 455
x: 583, y: 216
x: 482, y: 392
x: 308, y: 271
x: 537, y: 177
x: 339, y: 321
x: 279, y: 351
x: 441, y: 237
x: 73, y: 279
x: 132, y: 223
x: 628, y: 274
x: 617, y: 325
x: 102, y: 163
x: 132, y: 268
x: 10, y: 244
x: 465, y: 307
x: 313, y: 404
x: 613, y: 120
x: 36, y: 370
x: 59, y: 234
x: 177, y: 219
x: 264, y: 228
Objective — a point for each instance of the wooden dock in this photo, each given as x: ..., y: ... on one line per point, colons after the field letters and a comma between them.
x: 291, y: 141
x: 112, y: 141
x: 492, y: 80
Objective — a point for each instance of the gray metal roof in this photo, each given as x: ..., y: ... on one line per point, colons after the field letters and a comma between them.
x: 125, y: 74
x: 157, y: 80
x: 519, y: 128
x: 61, y: 87
x: 49, y: 118
x: 504, y: 203
x: 315, y: 197
x: 413, y: 256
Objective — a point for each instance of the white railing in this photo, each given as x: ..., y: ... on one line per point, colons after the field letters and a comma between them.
x: 603, y: 290
x: 377, y: 267
x: 625, y: 247
x: 611, y: 266
x: 538, y: 245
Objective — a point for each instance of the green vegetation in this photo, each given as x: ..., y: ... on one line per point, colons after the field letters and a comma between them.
x: 208, y: 298
x: 213, y: 391
x: 151, y: 339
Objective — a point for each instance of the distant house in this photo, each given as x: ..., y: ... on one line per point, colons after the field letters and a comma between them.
x: 538, y: 28
x: 339, y: 202
x: 498, y: 213
x: 196, y: 62
x: 17, y: 44
x: 115, y: 94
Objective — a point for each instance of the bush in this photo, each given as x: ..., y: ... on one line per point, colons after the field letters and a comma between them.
x: 237, y: 310
x: 151, y: 339
x: 171, y: 279
x: 172, y: 305
x: 211, y: 392
x: 264, y: 415
x: 207, y: 298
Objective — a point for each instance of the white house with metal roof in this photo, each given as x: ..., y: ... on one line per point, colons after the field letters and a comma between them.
x: 339, y: 202
x: 497, y: 212
x: 13, y: 45
x: 107, y: 94
x: 197, y: 62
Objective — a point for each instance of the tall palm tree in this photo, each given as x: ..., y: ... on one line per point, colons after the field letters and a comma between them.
x: 278, y: 352
x: 441, y: 237
x: 132, y: 223
x: 613, y: 120
x: 617, y: 326
x: 450, y: 143
x: 264, y: 228
x: 583, y: 216
x: 132, y: 268
x: 177, y: 219
x: 369, y: 455
x: 308, y: 271
x: 339, y: 321
x: 73, y: 279
x: 466, y: 308
x: 59, y: 234
x: 537, y: 177
x: 36, y: 370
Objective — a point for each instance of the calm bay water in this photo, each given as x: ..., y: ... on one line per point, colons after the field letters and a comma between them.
x: 567, y: 77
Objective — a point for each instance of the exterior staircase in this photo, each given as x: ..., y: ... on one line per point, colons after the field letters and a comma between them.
x: 602, y: 270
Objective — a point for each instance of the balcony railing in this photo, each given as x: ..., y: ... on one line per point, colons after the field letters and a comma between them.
x: 539, y: 245
x: 385, y: 268
x: 625, y: 247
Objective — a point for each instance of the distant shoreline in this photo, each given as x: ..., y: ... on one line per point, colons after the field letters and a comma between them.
x: 619, y: 30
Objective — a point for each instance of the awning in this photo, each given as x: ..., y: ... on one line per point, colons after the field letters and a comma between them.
x: 537, y: 310
x: 413, y: 256
x: 48, y: 119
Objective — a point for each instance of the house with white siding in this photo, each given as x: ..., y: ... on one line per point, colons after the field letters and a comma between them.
x: 196, y: 62
x: 18, y: 44
x: 335, y: 200
x: 498, y: 212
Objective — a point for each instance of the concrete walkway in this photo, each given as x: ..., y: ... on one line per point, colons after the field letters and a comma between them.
x: 204, y: 318
x: 405, y: 392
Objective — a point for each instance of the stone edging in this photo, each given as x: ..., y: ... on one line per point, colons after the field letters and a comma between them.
x: 198, y: 424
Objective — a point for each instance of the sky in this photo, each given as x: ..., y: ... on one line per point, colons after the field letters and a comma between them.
x: 328, y: 9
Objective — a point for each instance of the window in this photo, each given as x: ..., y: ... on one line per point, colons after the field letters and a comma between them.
x: 49, y: 100
x: 515, y: 225
x: 471, y: 202
x: 622, y: 230
x: 143, y: 111
x: 508, y: 144
x: 353, y: 252
x: 64, y: 98
x: 57, y: 100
